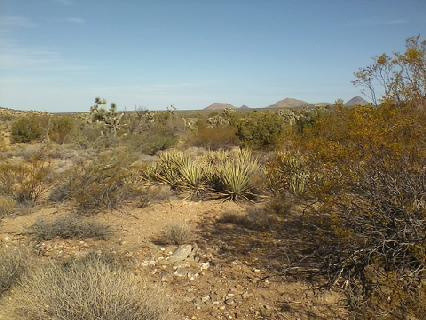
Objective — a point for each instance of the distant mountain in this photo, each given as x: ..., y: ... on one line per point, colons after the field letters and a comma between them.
x: 219, y: 106
x: 288, y: 103
x: 356, y: 101
x: 244, y: 107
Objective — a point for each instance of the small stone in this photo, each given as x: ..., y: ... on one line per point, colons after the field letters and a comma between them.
x: 204, y: 266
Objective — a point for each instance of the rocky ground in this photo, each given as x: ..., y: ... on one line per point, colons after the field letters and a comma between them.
x: 227, y: 271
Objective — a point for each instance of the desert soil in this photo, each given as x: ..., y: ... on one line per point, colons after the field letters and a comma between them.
x: 233, y: 274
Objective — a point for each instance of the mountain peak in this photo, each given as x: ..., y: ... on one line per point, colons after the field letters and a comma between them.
x: 356, y: 101
x: 217, y: 106
x: 289, y: 103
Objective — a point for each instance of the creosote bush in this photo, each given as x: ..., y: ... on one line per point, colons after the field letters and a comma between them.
x: 103, y: 183
x: 60, y: 128
x: 363, y: 172
x: 87, y: 289
x: 29, y: 128
x: 69, y: 227
x: 25, y: 181
x: 260, y: 130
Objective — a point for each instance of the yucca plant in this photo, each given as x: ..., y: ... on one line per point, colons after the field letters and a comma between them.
x: 180, y: 172
x: 193, y: 176
x: 167, y: 169
x: 234, y: 176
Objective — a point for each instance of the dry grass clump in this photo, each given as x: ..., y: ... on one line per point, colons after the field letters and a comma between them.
x: 7, y: 206
x: 255, y: 219
x: 13, y: 264
x: 88, y: 289
x: 69, y: 227
x: 176, y: 234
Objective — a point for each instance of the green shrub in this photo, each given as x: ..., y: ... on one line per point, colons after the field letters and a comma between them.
x: 260, y: 130
x: 29, y: 128
x: 151, y: 142
x: 69, y: 227
x: 87, y: 289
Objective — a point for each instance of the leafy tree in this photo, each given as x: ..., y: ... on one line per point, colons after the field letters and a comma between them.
x: 400, y: 76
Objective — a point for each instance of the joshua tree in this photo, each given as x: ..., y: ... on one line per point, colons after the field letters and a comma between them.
x: 110, y: 118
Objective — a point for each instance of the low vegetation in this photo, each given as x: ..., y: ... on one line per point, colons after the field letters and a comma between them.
x: 346, y: 184
x: 87, y: 289
x: 13, y: 265
x: 176, y: 234
x: 24, y: 181
x: 69, y: 227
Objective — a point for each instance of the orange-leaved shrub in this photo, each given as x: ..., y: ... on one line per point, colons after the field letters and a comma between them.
x: 362, y: 174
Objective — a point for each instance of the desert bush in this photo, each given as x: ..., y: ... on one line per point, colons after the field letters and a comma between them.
x: 103, y: 183
x: 29, y: 128
x: 7, y: 206
x: 69, y: 227
x: 364, y: 176
x: 214, y: 138
x: 152, y: 141
x: 13, y: 264
x: 176, y: 234
x: 24, y: 181
x: 260, y: 130
x: 60, y: 128
x: 87, y: 289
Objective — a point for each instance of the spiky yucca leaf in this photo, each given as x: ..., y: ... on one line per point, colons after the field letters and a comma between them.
x: 193, y: 176
x: 234, y: 177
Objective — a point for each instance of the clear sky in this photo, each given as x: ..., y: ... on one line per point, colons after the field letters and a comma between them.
x: 57, y: 55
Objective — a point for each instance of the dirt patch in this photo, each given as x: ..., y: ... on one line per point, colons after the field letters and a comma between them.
x: 233, y: 273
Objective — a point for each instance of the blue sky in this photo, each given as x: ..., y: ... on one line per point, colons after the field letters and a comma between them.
x: 57, y: 55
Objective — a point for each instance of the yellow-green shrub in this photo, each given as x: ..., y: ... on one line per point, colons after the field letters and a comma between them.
x: 103, y: 183
x: 29, y: 128
x: 24, y: 181
x: 363, y: 169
